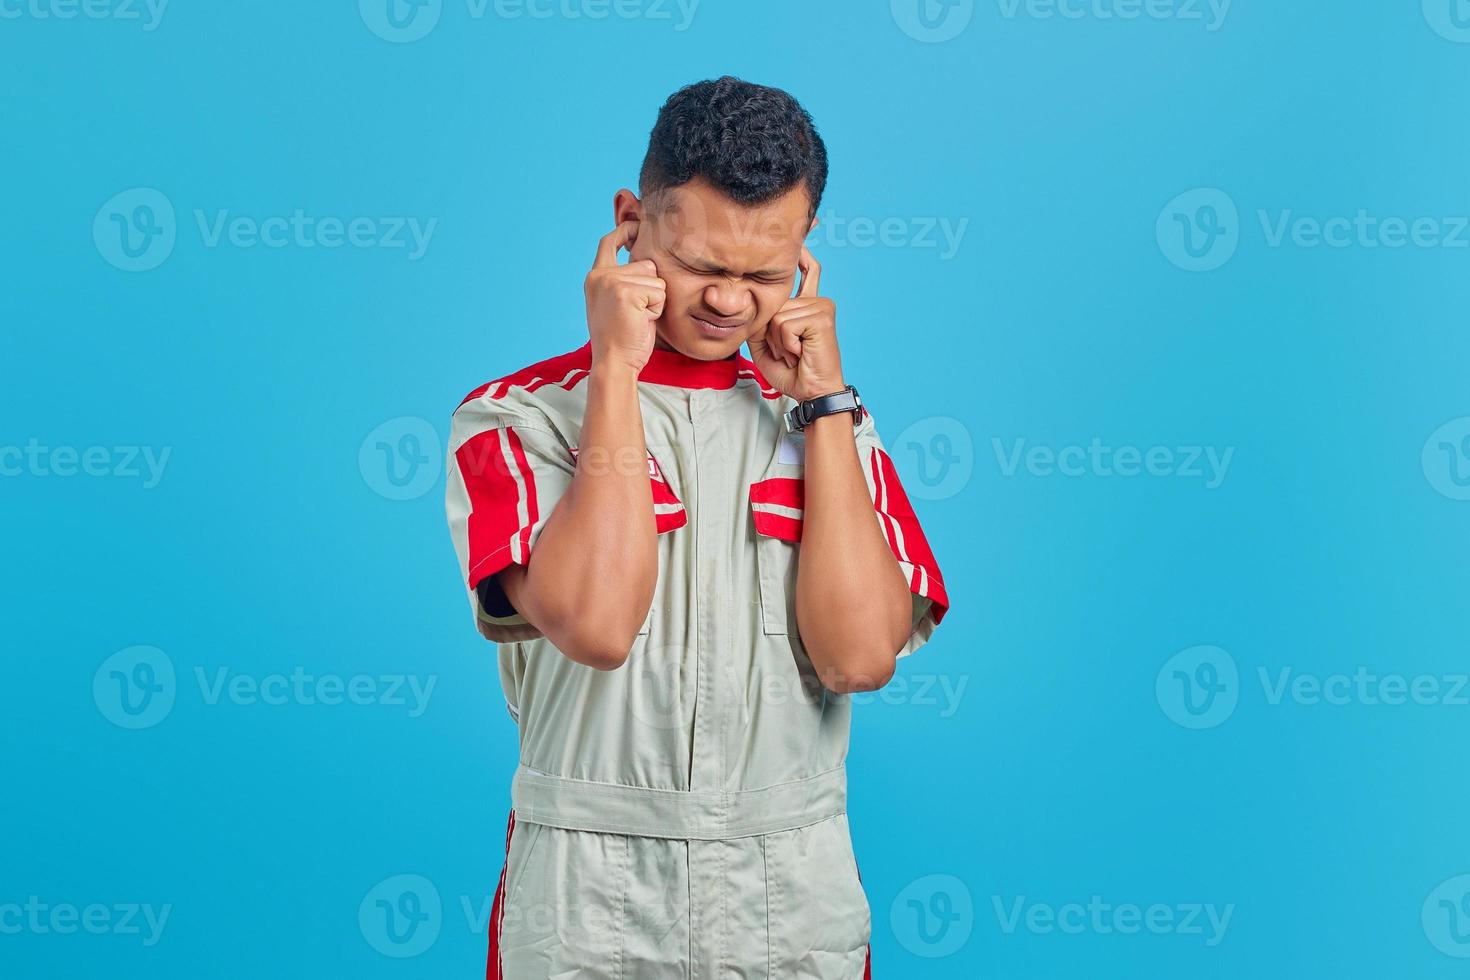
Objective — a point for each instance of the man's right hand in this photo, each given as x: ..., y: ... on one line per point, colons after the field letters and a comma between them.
x: 623, y: 301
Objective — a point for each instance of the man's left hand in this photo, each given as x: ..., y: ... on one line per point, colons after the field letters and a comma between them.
x: 797, y: 352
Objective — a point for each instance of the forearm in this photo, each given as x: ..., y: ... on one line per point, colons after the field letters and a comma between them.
x: 590, y: 580
x: 852, y: 602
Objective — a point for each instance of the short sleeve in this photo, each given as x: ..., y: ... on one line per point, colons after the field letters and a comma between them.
x: 904, y: 535
x: 504, y: 475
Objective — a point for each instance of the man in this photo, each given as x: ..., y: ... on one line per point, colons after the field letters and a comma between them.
x: 685, y: 592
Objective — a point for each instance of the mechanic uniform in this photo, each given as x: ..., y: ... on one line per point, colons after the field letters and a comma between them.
x: 683, y: 816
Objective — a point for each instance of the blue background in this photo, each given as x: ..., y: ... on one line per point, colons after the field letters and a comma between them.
x: 1062, y: 773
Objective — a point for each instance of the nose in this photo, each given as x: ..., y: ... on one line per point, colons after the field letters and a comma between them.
x: 724, y: 299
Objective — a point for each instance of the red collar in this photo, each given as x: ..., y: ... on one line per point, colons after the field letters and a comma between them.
x: 669, y: 367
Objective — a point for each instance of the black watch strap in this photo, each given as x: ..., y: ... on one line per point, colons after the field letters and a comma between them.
x: 806, y: 412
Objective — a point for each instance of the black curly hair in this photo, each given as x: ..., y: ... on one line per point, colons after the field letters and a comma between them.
x: 752, y: 142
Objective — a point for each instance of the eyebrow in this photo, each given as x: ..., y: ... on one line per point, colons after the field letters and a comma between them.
x: 701, y: 265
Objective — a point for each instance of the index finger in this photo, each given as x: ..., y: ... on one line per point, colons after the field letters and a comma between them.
x: 608, y: 245
x: 811, y: 273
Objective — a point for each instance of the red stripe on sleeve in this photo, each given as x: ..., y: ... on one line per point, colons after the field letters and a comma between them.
x: 495, y: 499
x: 893, y: 504
x: 529, y: 479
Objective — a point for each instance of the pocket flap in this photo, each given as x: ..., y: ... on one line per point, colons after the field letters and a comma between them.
x: 776, y: 507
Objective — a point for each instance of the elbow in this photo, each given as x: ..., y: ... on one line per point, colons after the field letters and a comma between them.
x: 601, y: 658
x: 593, y: 643
x: 868, y: 674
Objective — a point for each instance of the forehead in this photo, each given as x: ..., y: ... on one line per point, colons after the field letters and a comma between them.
x: 698, y: 222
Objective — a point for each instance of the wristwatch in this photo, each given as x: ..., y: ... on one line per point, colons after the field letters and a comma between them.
x: 806, y: 412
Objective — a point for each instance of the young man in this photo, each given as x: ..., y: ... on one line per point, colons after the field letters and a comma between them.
x: 684, y: 584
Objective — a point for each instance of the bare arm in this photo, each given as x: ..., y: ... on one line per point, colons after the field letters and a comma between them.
x: 852, y: 601
x: 589, y: 582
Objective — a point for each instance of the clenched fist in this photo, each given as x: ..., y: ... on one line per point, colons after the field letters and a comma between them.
x: 797, y: 352
x: 623, y: 301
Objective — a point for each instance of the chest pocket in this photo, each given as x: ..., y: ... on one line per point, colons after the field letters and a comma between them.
x: 776, y: 507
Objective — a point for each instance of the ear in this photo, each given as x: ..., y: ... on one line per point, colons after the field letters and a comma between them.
x: 626, y: 207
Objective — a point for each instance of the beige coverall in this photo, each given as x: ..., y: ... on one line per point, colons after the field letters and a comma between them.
x: 683, y: 816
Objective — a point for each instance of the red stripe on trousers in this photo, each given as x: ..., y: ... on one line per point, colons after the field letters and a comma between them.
x: 492, y: 965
